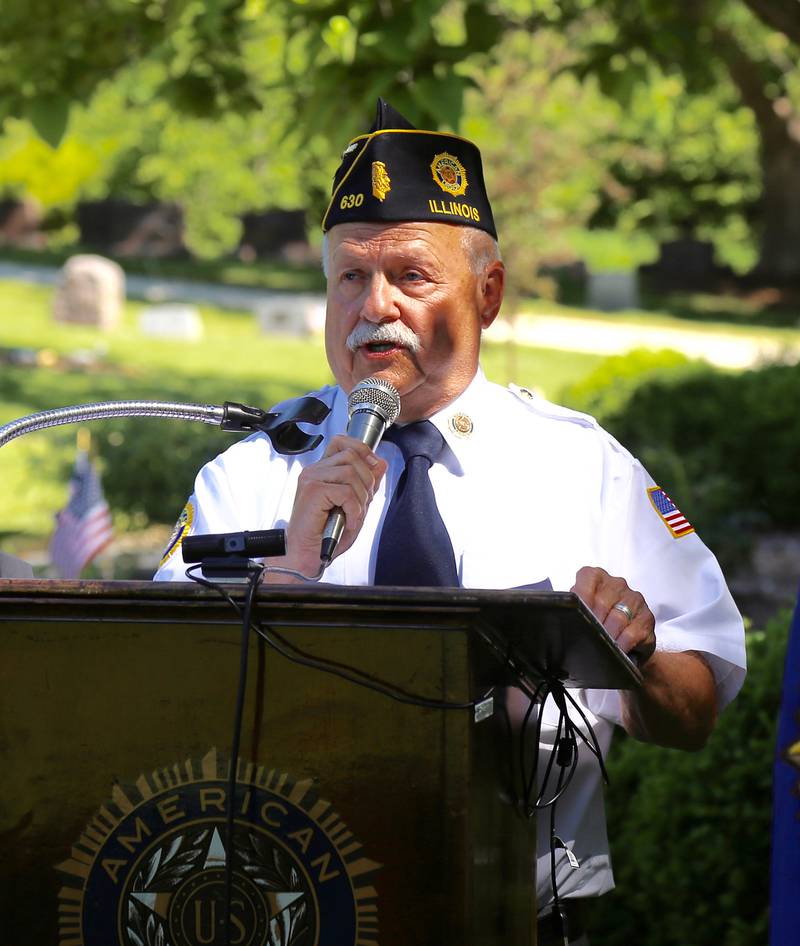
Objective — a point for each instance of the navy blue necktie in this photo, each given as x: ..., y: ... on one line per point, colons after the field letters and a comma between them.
x: 414, y: 547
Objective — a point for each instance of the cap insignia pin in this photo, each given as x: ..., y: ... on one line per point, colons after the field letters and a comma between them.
x: 449, y: 173
x: 381, y: 182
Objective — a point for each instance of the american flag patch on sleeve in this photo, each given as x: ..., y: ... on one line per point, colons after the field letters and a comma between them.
x: 670, y: 515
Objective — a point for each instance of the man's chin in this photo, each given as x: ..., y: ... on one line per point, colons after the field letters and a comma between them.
x: 391, y: 366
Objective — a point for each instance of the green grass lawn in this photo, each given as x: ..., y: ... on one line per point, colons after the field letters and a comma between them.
x: 232, y: 352
x: 716, y: 321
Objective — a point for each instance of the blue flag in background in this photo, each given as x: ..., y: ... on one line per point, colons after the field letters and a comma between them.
x: 785, y: 894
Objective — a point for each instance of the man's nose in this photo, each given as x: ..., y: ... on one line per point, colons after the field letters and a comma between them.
x: 379, y: 304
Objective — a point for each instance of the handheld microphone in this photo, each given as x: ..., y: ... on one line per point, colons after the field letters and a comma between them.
x: 372, y: 407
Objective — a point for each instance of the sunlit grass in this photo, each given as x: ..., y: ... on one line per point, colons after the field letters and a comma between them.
x: 232, y: 350
x: 666, y: 319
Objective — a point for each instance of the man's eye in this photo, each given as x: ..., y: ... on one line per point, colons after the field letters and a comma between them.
x: 413, y: 276
x: 349, y: 276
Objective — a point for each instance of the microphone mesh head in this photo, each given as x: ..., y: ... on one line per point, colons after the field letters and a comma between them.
x: 375, y: 394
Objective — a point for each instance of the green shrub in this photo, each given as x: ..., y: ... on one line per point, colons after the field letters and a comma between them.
x: 725, y: 446
x: 608, y: 388
x: 690, y: 832
x: 149, y: 465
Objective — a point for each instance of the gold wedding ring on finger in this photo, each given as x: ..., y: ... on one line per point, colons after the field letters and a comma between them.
x: 623, y: 609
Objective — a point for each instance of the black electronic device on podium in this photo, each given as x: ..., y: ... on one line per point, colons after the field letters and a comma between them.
x: 359, y: 819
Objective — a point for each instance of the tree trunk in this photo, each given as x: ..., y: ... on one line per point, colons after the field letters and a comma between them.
x: 780, y: 15
x: 779, y: 257
x: 779, y: 127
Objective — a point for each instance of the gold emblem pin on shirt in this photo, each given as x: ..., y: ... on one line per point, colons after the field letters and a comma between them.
x: 461, y: 424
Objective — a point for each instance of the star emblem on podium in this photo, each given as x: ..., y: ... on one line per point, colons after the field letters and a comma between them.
x: 183, y: 900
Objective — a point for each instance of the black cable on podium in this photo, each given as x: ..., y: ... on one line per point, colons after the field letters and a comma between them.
x: 564, y: 755
x: 244, y: 649
x: 253, y: 573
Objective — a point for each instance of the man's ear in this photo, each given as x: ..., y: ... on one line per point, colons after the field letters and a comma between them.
x: 493, y: 285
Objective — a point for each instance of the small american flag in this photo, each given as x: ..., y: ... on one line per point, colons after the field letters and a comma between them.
x: 670, y: 515
x: 83, y: 527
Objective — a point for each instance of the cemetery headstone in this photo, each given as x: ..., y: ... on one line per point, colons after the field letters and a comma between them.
x: 172, y: 321
x: 291, y: 314
x: 610, y: 292
x: 91, y: 291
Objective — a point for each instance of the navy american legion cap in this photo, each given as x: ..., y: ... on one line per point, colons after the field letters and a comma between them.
x: 398, y: 172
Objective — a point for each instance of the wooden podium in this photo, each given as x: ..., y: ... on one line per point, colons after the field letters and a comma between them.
x: 359, y: 820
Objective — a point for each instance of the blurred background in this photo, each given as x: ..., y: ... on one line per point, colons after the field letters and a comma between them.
x: 643, y: 160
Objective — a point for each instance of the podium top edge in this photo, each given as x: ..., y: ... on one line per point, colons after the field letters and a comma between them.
x: 503, y: 618
x: 177, y: 591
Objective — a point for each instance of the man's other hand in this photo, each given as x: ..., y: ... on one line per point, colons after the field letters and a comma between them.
x: 622, y: 612
x: 676, y: 705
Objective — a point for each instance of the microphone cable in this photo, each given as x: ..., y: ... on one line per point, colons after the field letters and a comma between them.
x: 255, y: 572
x: 564, y: 754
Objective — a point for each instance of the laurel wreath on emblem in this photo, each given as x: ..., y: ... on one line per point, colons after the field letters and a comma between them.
x: 149, y: 932
x: 172, y: 862
x: 270, y: 868
x: 265, y: 864
x: 165, y: 869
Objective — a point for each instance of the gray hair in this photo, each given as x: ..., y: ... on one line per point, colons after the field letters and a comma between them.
x: 480, y: 248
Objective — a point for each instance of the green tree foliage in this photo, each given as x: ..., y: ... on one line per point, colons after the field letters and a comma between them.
x: 608, y: 390
x: 690, y: 833
x: 55, y: 54
x: 734, y: 48
x: 543, y: 137
x: 683, y: 163
x: 687, y: 166
x: 132, y: 143
x: 560, y: 155
x: 661, y: 134
x: 411, y: 53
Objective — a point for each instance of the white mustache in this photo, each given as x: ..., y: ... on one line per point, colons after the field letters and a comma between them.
x: 395, y: 333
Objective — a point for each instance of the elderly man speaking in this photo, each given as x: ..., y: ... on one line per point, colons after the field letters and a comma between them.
x: 513, y: 490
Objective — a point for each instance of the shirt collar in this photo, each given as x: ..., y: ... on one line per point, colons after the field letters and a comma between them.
x: 460, y: 424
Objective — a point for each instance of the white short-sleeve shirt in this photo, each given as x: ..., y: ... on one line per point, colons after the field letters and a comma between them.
x: 529, y: 492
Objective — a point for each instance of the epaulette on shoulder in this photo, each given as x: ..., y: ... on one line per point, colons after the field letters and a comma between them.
x: 544, y: 408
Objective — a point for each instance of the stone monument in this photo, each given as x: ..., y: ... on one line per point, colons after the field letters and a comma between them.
x: 91, y: 291
x: 172, y: 321
x: 300, y: 314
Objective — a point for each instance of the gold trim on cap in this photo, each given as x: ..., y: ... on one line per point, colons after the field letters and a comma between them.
x: 383, y: 131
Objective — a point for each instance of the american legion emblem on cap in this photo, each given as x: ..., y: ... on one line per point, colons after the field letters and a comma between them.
x: 397, y: 172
